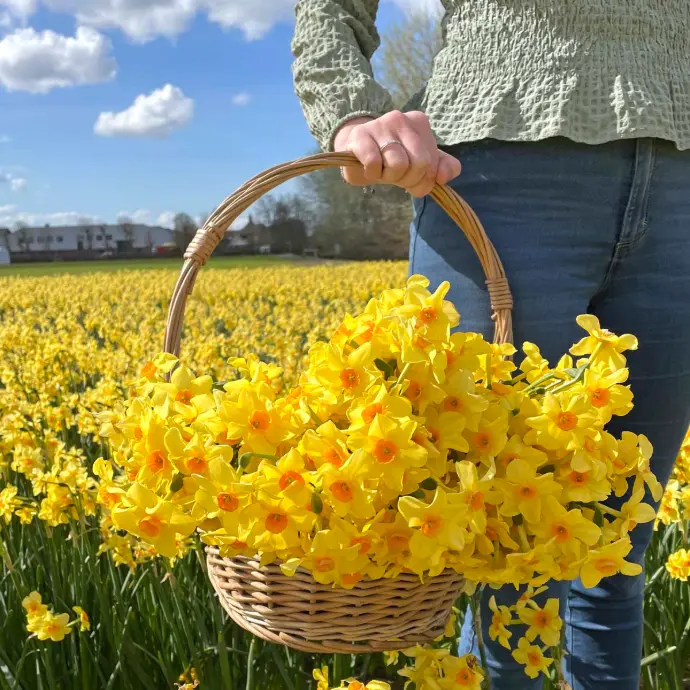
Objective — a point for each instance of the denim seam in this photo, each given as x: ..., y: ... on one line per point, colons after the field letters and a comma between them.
x: 639, y: 186
x: 610, y: 270
x: 647, y: 195
x: 636, y: 212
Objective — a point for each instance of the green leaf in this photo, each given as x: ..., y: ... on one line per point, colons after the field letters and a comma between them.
x: 316, y: 504
x: 387, y: 367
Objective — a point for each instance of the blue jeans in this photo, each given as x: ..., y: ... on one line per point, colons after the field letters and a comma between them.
x: 599, y: 229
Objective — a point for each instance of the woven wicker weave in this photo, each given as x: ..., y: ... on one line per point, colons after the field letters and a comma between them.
x: 296, y: 611
x: 305, y: 615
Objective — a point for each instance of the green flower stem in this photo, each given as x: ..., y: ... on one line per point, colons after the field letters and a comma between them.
x: 250, y: 665
x: 523, y: 538
x: 539, y: 381
x: 337, y: 669
x: 609, y: 511
x: 559, y: 388
x: 401, y: 378
x: 246, y: 457
x: 313, y: 416
x: 514, y: 380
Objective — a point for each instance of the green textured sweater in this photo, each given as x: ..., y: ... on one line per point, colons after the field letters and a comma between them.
x: 589, y: 70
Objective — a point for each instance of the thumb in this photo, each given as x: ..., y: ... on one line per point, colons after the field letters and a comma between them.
x: 449, y: 168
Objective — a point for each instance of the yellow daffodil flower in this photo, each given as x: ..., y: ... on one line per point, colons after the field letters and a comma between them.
x: 344, y: 487
x: 52, y: 627
x: 565, y: 529
x: 288, y: 477
x: 500, y: 620
x: 607, y: 346
x: 84, y: 621
x: 436, y: 525
x: 477, y: 494
x: 543, y: 622
x: 462, y: 673
x: 524, y: 490
x: 678, y: 565
x: 33, y: 605
x: 277, y: 523
x: 155, y: 521
x: 390, y: 445
x: 608, y: 561
x: 565, y: 422
x: 320, y: 675
x: 532, y: 658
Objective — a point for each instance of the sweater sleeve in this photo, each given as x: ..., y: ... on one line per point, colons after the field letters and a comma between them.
x: 333, y: 45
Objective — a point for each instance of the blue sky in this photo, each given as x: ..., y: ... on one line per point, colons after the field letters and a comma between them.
x: 228, y: 112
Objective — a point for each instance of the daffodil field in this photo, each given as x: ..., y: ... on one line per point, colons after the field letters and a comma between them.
x: 403, y: 447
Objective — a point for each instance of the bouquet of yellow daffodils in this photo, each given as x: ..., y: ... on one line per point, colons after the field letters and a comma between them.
x: 404, y: 447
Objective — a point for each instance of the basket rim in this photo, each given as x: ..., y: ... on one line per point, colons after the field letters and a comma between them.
x: 408, y: 575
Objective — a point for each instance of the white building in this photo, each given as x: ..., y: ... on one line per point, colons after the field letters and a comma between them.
x: 88, y: 238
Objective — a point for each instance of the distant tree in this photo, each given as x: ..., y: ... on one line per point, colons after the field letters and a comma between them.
x: 201, y: 220
x: 406, y: 58
x: 127, y: 228
x: 272, y: 209
x: 103, y: 231
x: 184, y: 228
x: 5, y: 238
x: 87, y: 230
x: 349, y: 223
x: 88, y: 236
x: 23, y: 236
x: 288, y: 220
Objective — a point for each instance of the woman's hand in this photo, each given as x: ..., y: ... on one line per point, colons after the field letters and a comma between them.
x: 397, y: 148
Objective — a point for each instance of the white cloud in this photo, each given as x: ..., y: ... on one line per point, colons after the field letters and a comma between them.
x: 141, y: 215
x: 16, y: 184
x: 20, y: 8
x: 166, y: 219
x: 239, y: 223
x: 41, y: 61
x: 241, y: 99
x: 254, y: 18
x: 9, y: 217
x: 430, y: 6
x: 141, y: 20
x: 144, y: 20
x: 157, y: 114
x: 15, y: 12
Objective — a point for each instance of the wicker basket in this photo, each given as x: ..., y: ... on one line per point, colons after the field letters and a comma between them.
x: 297, y: 611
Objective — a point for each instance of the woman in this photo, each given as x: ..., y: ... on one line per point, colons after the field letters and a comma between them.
x: 572, y: 122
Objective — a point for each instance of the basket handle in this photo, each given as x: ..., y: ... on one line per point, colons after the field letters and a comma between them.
x: 209, y: 237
